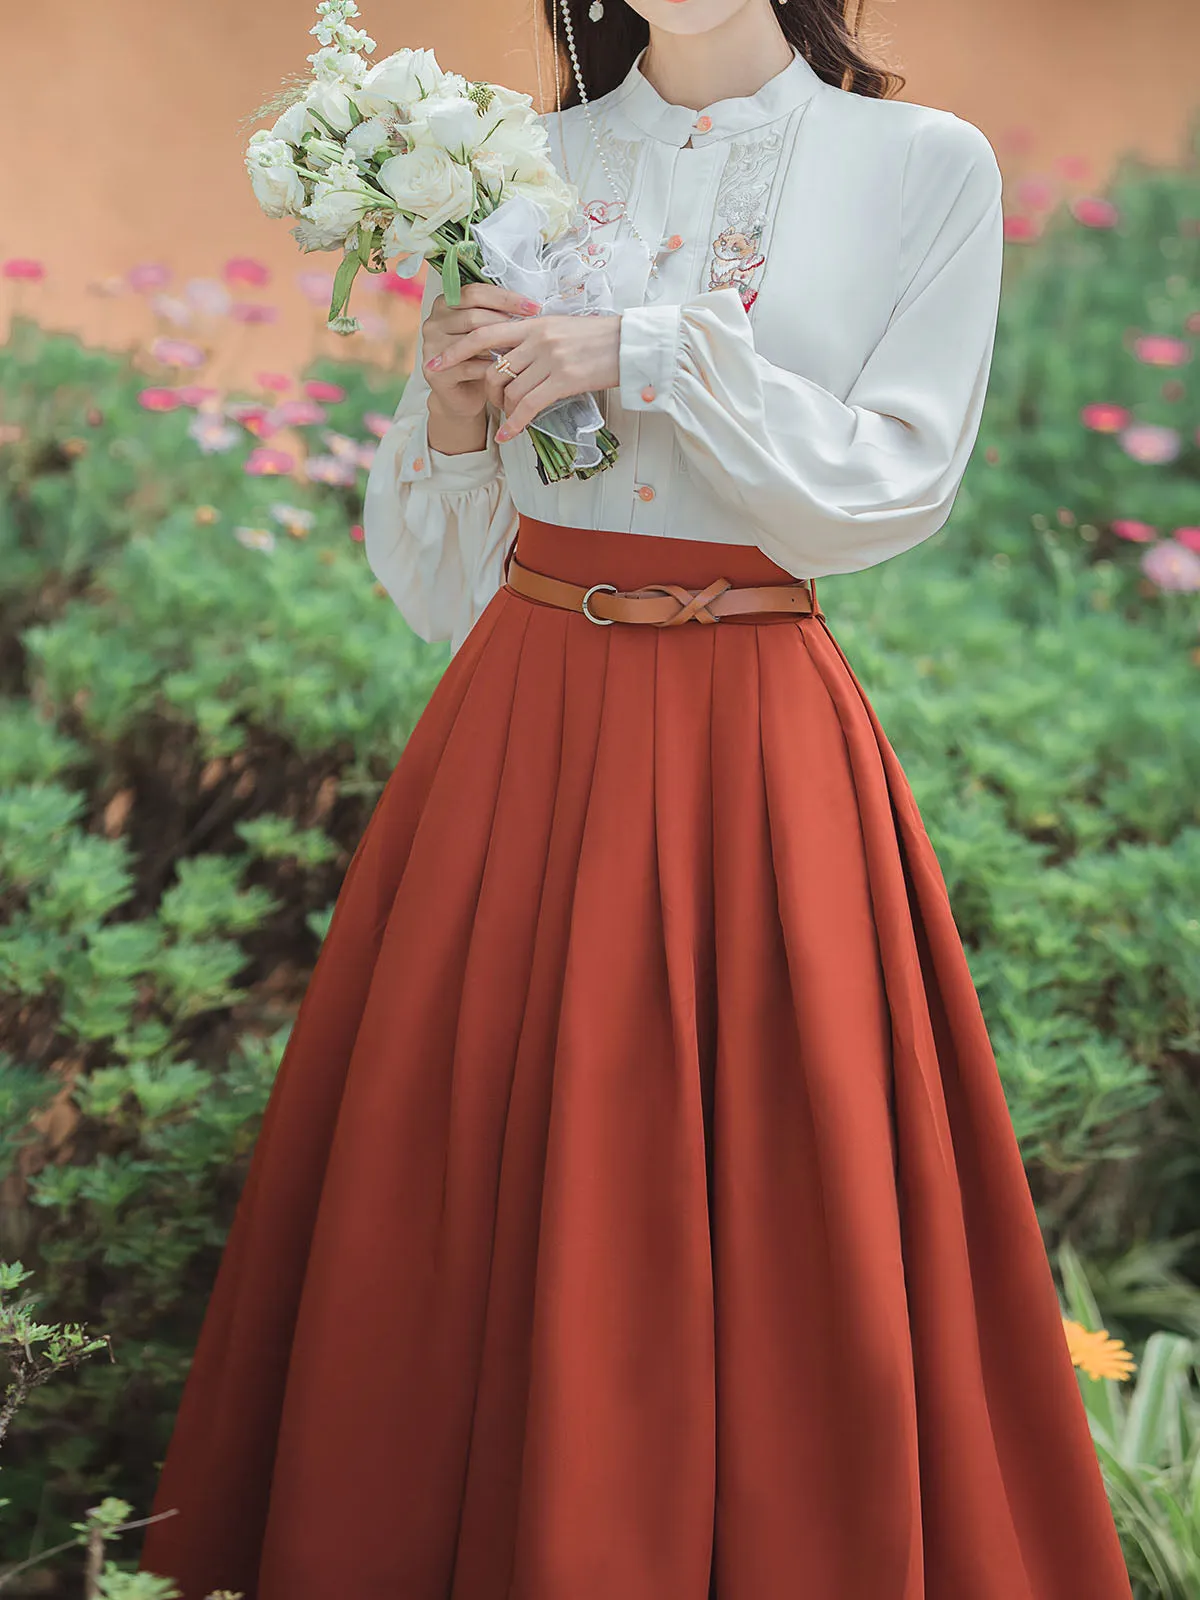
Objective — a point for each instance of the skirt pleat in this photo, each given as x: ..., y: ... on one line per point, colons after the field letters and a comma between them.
x: 637, y: 1214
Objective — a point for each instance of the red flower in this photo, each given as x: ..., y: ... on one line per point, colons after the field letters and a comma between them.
x: 1189, y: 538
x: 264, y: 462
x: 1103, y: 417
x: 1036, y: 194
x: 22, y: 267
x: 160, y: 400
x: 1094, y: 212
x: 1021, y: 230
x: 329, y: 393
x: 1136, y: 532
x: 245, y: 270
x: 253, y: 311
x: 1157, y: 350
x: 356, y: 533
x: 406, y: 288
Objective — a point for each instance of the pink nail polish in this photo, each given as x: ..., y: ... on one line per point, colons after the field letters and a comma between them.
x: 530, y: 305
x: 503, y: 434
x: 434, y: 362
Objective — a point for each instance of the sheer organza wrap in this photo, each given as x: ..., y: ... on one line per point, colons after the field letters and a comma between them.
x: 572, y: 275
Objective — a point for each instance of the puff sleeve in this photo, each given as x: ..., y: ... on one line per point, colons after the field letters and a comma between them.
x: 436, y: 526
x: 829, y: 485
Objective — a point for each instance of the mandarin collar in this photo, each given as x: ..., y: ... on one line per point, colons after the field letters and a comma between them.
x: 641, y: 102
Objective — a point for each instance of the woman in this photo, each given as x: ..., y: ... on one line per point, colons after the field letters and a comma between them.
x: 638, y: 1215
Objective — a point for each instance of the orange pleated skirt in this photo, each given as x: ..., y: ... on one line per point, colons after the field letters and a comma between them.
x: 637, y: 1214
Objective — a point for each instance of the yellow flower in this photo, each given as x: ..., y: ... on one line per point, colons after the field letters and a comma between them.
x: 1096, y: 1353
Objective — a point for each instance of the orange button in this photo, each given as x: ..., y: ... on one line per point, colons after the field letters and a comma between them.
x: 645, y: 492
x: 419, y: 464
x: 703, y: 124
x: 674, y: 241
x: 648, y: 393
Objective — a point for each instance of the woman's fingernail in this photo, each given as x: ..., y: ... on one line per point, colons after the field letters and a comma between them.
x: 530, y: 305
x: 504, y: 433
x: 434, y: 362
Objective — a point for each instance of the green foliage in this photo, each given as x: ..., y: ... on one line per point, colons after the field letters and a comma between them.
x: 1148, y: 1443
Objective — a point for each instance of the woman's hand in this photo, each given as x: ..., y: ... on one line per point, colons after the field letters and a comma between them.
x: 553, y: 357
x: 462, y: 388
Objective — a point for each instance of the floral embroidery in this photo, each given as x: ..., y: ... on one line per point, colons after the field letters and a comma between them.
x: 737, y: 251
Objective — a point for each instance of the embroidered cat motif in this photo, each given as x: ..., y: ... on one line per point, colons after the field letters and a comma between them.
x: 737, y: 257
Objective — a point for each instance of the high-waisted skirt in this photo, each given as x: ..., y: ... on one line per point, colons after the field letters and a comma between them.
x: 637, y: 1214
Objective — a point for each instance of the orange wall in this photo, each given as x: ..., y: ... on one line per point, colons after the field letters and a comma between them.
x: 119, y: 121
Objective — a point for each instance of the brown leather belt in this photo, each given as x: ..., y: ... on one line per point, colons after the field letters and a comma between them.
x: 662, y: 605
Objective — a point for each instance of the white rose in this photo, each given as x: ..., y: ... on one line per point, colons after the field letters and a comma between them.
x: 488, y: 167
x: 331, y: 101
x: 410, y: 242
x: 401, y: 79
x: 277, y: 188
x: 293, y: 124
x: 524, y: 147
x: 451, y: 123
x: 557, y: 198
x: 427, y: 182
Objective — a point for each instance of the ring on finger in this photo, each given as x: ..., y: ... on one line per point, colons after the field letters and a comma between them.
x: 502, y: 365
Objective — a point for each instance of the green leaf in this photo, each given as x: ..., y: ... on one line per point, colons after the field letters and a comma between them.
x: 451, y: 277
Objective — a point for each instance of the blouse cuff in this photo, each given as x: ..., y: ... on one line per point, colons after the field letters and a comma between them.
x: 648, y: 356
x: 419, y: 464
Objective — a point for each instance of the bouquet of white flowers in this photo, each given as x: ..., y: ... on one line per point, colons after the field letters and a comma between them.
x: 402, y: 161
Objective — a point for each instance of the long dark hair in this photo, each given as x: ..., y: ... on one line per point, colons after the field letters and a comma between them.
x: 824, y: 31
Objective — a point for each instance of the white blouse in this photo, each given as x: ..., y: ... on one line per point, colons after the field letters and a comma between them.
x: 805, y: 373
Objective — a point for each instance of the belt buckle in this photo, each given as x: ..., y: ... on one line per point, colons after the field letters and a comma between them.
x: 601, y: 622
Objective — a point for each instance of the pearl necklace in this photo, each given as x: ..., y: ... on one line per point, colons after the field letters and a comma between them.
x: 565, y: 8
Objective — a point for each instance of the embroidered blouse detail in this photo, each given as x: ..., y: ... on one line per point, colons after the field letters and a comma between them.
x: 823, y: 410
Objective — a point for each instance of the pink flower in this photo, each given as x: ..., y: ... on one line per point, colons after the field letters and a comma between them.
x: 1021, y: 230
x: 253, y: 311
x: 177, y: 353
x: 1135, y: 532
x: 1193, y: 322
x: 1103, y: 417
x: 1094, y: 212
x: 299, y: 413
x: 245, y: 270
x: 356, y: 533
x: 159, y: 400
x: 406, y: 288
x: 341, y: 445
x: 1018, y: 140
x: 1189, y: 538
x: 1074, y: 168
x: 330, y: 393
x: 375, y: 422
x: 262, y: 424
x: 1172, y: 567
x: 366, y: 453
x: 1150, y: 444
x: 332, y: 470
x: 264, y: 462
x: 1157, y: 350
x: 316, y: 287
x: 276, y: 382
x: 1036, y: 194
x: 207, y: 296
x: 195, y: 394
x: 148, y: 275
x: 24, y: 269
